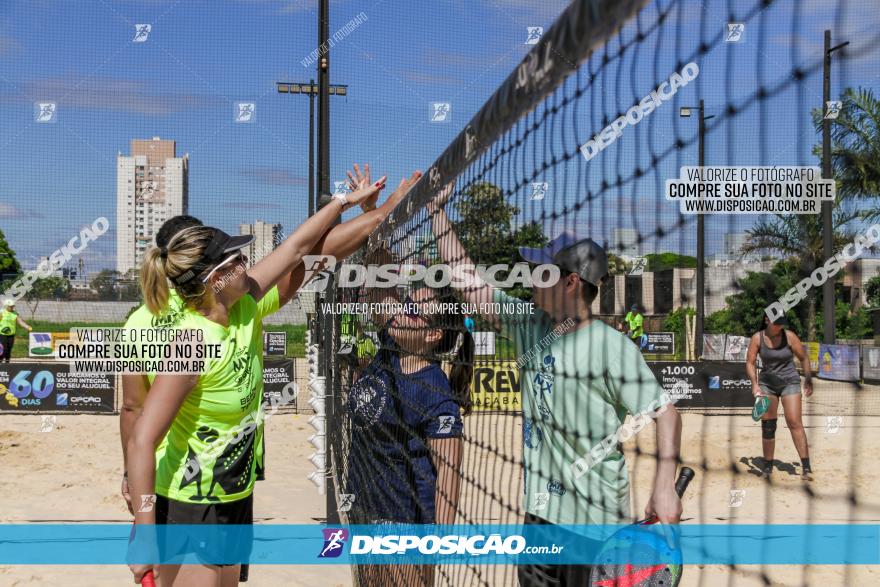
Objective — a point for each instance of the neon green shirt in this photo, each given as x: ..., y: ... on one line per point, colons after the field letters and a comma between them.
x: 142, y: 318
x: 577, y: 388
x: 635, y: 322
x: 215, y: 443
x: 7, y: 322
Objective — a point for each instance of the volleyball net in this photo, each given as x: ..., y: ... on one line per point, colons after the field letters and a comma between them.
x: 616, y: 101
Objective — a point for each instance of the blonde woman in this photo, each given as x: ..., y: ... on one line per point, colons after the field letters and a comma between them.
x: 192, y: 412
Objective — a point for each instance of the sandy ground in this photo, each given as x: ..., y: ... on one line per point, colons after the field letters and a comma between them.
x: 72, y: 474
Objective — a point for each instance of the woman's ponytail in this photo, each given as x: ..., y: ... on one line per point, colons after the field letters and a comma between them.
x: 462, y: 372
x: 154, y: 281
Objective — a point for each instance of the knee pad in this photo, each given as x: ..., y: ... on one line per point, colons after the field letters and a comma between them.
x: 768, y: 429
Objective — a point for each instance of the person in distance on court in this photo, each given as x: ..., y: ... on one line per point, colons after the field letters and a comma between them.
x: 779, y: 380
x: 8, y: 321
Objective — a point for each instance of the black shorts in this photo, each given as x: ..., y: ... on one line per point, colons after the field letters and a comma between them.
x: 539, y: 575
x: 219, y: 542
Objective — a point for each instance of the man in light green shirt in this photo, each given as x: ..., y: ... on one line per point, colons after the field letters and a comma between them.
x: 579, y: 380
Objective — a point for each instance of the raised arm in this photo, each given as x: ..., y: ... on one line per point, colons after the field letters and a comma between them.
x: 453, y: 253
x: 344, y: 239
x: 279, y: 263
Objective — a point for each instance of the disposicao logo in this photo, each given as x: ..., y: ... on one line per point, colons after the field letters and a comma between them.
x: 334, y: 542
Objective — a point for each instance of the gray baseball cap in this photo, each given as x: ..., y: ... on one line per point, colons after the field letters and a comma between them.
x: 583, y: 257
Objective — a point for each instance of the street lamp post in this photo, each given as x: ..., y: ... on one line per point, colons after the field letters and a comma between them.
x: 311, y: 90
x: 828, y: 319
x: 701, y: 234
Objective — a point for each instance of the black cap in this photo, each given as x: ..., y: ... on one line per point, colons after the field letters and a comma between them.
x: 780, y: 321
x: 172, y: 226
x: 217, y: 250
x: 580, y: 256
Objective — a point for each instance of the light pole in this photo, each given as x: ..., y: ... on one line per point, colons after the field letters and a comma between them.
x: 828, y: 321
x: 685, y: 112
x: 311, y: 90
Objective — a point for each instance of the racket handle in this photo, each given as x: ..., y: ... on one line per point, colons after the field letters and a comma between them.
x: 147, y: 580
x: 684, y: 478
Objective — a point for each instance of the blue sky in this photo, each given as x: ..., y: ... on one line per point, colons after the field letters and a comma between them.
x: 204, y: 56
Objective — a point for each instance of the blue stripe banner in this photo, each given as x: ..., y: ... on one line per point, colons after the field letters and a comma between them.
x: 100, y: 544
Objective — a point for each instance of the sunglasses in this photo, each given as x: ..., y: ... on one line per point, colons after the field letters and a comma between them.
x: 237, y: 256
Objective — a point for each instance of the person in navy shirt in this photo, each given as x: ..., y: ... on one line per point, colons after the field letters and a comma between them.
x: 406, y: 420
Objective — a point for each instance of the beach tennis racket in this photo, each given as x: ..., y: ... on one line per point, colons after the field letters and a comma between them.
x: 762, y: 404
x: 147, y: 580
x: 633, y: 543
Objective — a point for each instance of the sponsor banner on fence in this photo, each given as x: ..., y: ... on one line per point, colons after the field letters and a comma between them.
x: 41, y: 345
x: 871, y: 363
x: 736, y: 348
x: 484, y: 343
x: 704, y: 384
x: 276, y: 374
x: 275, y: 343
x: 496, y: 386
x: 812, y: 350
x: 713, y: 347
x: 839, y: 362
x: 50, y: 387
x: 658, y: 343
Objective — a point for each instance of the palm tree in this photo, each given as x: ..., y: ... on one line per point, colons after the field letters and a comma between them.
x: 855, y: 148
x: 799, y: 238
x: 855, y: 159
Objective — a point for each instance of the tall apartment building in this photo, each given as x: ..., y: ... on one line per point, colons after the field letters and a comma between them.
x: 152, y: 185
x: 266, y: 238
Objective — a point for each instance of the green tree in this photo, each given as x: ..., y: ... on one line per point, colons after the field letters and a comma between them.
x: 9, y: 266
x: 855, y: 154
x: 105, y: 283
x: 617, y: 266
x: 485, y: 229
x: 675, y: 322
x: 663, y: 261
x: 872, y: 291
x: 855, y: 148
x: 744, y: 313
x: 49, y: 288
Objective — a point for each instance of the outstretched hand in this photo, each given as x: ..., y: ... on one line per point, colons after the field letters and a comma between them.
x: 367, y: 192
x: 360, y: 180
x: 404, y: 187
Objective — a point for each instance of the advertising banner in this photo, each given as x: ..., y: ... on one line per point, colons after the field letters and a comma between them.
x: 812, y: 349
x: 713, y: 347
x: 276, y: 374
x: 658, y: 343
x: 838, y: 362
x: 496, y: 387
x: 50, y: 387
x: 275, y: 344
x: 41, y: 345
x: 704, y: 384
x: 484, y: 343
x: 871, y: 363
x: 736, y: 348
